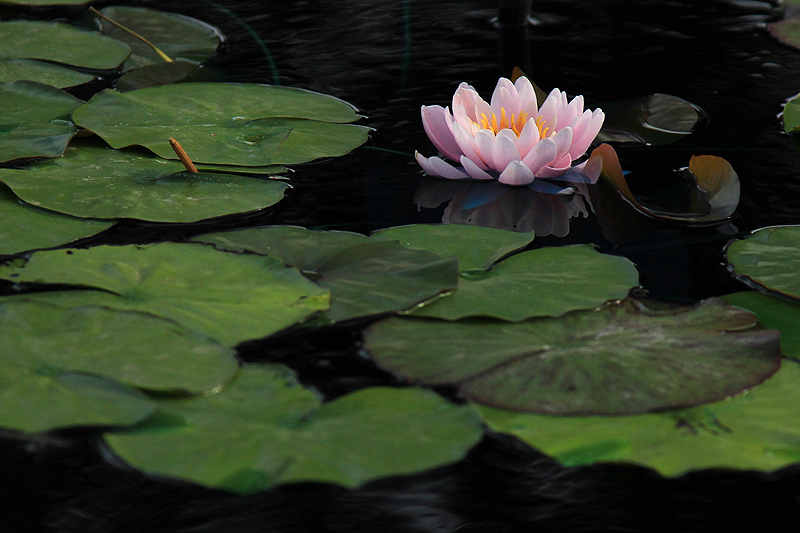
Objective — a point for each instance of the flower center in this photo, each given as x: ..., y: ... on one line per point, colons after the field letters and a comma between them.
x: 515, y: 123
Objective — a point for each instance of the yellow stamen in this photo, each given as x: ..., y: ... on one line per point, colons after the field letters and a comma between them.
x: 515, y: 123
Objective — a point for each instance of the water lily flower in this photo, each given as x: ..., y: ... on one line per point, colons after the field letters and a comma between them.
x: 512, y: 139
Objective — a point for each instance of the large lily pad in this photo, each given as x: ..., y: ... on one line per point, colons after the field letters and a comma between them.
x: 542, y: 282
x: 133, y: 348
x: 770, y: 257
x: 41, y: 72
x: 38, y: 401
x: 95, y: 181
x: 774, y: 313
x: 228, y: 297
x: 223, y: 123
x: 177, y: 36
x: 653, y: 120
x: 477, y: 247
x: 759, y: 430
x: 265, y: 430
x: 619, y: 360
x: 29, y: 39
x: 24, y: 228
x: 34, y: 120
x: 364, y: 277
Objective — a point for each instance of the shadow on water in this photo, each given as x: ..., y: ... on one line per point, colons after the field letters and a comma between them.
x: 389, y: 58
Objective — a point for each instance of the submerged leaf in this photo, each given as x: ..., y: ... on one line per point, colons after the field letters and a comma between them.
x: 621, y: 359
x: 652, y: 120
x: 224, y: 123
x: 95, y: 181
x: 228, y: 297
x: 754, y: 431
x: 264, y: 430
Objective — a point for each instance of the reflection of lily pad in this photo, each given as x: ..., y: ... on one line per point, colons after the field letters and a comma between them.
x: 35, y: 402
x: 41, y: 72
x: 364, y: 277
x: 133, y: 348
x: 228, y: 297
x: 758, y: 430
x: 714, y: 195
x: 34, y: 120
x: 619, y: 360
x: 543, y: 282
x: 99, y: 182
x: 62, y: 43
x: 24, y: 228
x: 265, y: 430
x: 653, y: 120
x: 476, y: 247
x: 178, y: 36
x: 770, y: 257
x: 223, y: 123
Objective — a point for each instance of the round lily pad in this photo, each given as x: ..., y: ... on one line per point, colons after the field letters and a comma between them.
x: 24, y: 228
x: 133, y: 348
x: 30, y: 39
x: 225, y: 123
x: 41, y: 72
x: 770, y: 257
x: 177, y: 36
x: 655, y: 119
x: 622, y: 359
x: 476, y: 247
x: 759, y: 430
x: 228, y: 297
x: 95, y: 181
x: 264, y: 430
x: 34, y: 120
x: 37, y: 401
x: 543, y: 282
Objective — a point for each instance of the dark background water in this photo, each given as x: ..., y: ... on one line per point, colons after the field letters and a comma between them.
x: 389, y: 58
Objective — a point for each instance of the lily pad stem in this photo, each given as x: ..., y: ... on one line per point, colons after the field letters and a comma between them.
x: 158, y: 52
x: 182, y: 155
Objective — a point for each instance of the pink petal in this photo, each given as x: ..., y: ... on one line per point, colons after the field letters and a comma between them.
x: 436, y: 166
x: 528, y: 137
x: 481, y: 109
x: 582, y: 143
x: 484, y: 143
x: 591, y: 168
x: 474, y: 170
x: 542, y: 154
x: 435, y: 124
x: 549, y: 108
x: 552, y: 171
x: 505, y: 150
x: 526, y: 93
x: 574, y: 110
x: 468, y: 145
x: 467, y: 97
x: 563, y: 139
x: 517, y: 173
x: 503, y: 99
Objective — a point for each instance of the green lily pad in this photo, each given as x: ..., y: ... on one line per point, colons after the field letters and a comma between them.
x: 95, y: 181
x: 477, y: 247
x: 791, y: 114
x: 770, y: 257
x: 264, y: 430
x: 543, y: 282
x: 41, y: 72
x: 155, y: 75
x: 136, y: 349
x: 29, y: 39
x: 34, y: 120
x: 774, y: 313
x: 655, y: 119
x: 228, y: 297
x: 45, y: 2
x: 364, y: 277
x: 35, y: 402
x: 619, y: 360
x: 714, y: 195
x: 759, y: 430
x: 224, y: 123
x: 178, y: 36
x: 24, y: 228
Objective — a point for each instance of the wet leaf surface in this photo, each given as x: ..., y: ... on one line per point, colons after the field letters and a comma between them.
x: 770, y: 257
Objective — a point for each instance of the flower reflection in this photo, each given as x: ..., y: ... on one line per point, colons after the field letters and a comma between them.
x: 492, y: 204
x: 512, y: 139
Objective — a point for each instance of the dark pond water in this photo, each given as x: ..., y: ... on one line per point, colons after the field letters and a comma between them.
x: 388, y: 58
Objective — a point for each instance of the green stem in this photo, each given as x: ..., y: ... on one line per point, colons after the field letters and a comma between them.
x: 158, y: 52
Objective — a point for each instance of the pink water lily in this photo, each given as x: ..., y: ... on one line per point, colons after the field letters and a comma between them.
x: 512, y: 139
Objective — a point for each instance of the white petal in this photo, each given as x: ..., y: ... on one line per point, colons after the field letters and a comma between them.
x: 505, y: 150
x: 436, y: 166
x: 435, y: 124
x: 474, y: 170
x: 517, y: 173
x: 542, y: 154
